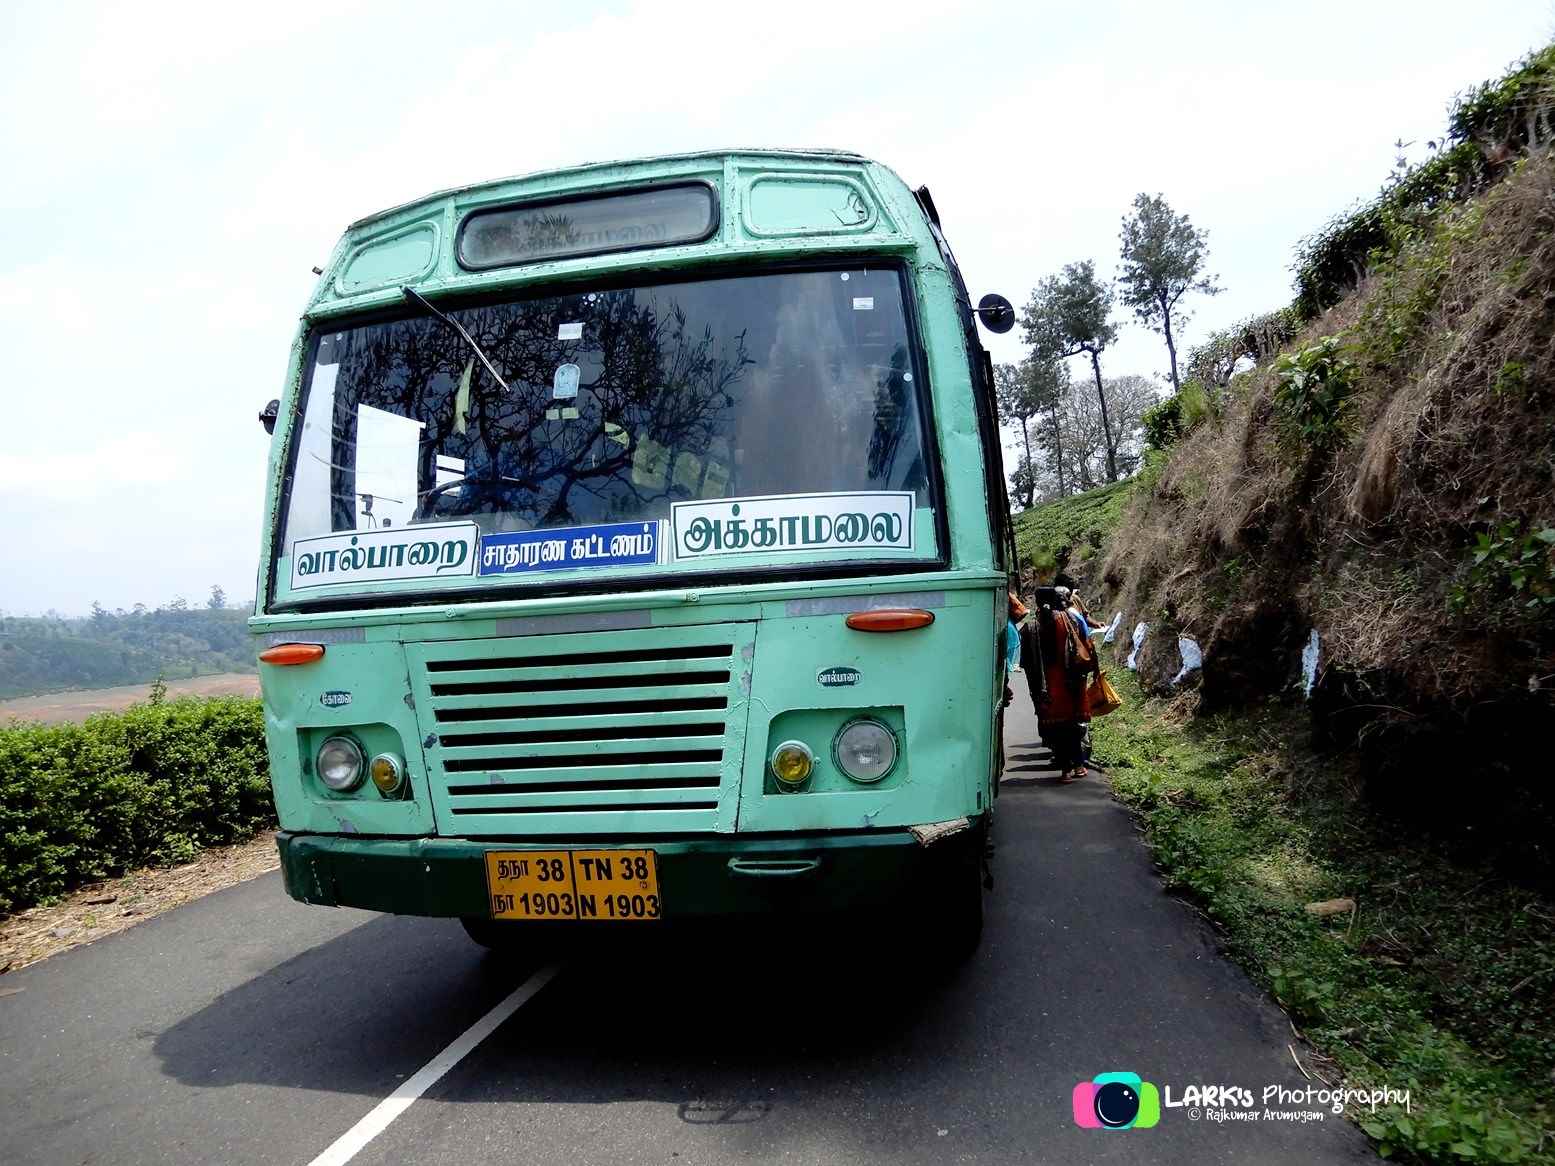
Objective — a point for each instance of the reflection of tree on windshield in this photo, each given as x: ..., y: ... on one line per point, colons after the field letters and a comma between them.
x: 891, y: 413
x: 780, y: 383
x: 648, y: 376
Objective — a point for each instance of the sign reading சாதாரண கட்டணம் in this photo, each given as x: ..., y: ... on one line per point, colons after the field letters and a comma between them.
x: 370, y: 556
x: 616, y: 544
x: 793, y: 523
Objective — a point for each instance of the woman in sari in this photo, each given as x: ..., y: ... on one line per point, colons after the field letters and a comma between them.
x: 1060, y: 662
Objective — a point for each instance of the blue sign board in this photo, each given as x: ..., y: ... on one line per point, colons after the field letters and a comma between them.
x: 616, y: 544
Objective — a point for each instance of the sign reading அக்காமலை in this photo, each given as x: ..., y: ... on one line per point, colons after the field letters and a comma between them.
x: 370, y: 556
x: 789, y: 523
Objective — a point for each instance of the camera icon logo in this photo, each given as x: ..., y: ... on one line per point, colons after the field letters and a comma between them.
x: 1116, y: 1101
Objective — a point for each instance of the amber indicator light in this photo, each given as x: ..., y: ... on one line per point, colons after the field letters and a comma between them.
x: 890, y: 619
x: 292, y: 654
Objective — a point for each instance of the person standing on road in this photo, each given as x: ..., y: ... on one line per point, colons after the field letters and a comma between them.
x: 1018, y: 611
x: 1060, y: 663
x: 1082, y: 614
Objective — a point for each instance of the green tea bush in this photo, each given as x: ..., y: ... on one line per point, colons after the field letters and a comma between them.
x: 149, y: 785
x: 1314, y: 390
x: 1488, y: 128
x: 1162, y: 423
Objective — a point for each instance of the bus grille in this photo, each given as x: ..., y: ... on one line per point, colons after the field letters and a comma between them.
x: 614, y: 732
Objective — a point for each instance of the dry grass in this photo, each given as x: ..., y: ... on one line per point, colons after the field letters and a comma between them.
x: 1245, y: 542
x: 115, y: 904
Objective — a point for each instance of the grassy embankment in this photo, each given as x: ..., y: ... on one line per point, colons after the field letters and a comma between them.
x: 1442, y: 980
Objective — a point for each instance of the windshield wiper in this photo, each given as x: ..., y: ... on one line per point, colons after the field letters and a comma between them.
x: 420, y: 300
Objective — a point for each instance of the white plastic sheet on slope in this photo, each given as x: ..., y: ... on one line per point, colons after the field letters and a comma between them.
x: 1309, y: 658
x: 1112, y: 628
x: 1139, y: 638
x: 1192, y: 657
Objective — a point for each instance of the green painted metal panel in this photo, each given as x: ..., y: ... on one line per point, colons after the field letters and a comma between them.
x: 621, y: 722
x: 578, y: 695
x: 940, y: 676
x: 401, y: 256
x: 608, y: 752
x: 297, y: 720
x: 808, y: 204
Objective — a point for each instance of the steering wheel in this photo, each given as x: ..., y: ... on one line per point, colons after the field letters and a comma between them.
x: 481, y: 488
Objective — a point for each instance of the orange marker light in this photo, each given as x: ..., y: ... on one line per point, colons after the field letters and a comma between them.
x: 292, y: 654
x: 890, y: 619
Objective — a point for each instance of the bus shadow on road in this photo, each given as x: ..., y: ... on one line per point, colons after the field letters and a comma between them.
x: 665, y: 1015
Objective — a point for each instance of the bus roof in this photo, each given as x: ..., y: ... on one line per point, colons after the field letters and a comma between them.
x: 584, y: 169
x: 766, y: 202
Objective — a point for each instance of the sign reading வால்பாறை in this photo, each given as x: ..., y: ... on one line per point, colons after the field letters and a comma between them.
x: 793, y: 523
x: 372, y: 556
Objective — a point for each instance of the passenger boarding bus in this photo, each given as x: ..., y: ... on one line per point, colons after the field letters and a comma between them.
x: 636, y: 550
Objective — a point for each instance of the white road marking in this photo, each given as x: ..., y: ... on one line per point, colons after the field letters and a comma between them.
x: 350, y: 1143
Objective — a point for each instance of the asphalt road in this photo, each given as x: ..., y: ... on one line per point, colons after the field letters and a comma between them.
x: 246, y: 1028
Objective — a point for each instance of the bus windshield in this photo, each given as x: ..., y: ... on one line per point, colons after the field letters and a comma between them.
x: 763, y: 419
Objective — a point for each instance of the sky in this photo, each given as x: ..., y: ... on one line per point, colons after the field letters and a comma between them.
x: 173, y: 172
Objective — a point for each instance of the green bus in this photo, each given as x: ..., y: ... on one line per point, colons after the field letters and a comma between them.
x: 636, y: 549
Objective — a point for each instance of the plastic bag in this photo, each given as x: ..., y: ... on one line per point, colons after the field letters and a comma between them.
x: 1101, y: 697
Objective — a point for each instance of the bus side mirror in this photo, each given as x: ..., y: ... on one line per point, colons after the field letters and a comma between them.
x: 996, y: 313
x: 268, y: 415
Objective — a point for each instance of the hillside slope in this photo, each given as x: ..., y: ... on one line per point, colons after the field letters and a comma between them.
x: 1068, y: 534
x: 51, y: 654
x: 1388, y: 482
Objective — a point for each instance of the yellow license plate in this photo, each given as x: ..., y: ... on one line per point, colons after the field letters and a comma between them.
x: 573, y: 885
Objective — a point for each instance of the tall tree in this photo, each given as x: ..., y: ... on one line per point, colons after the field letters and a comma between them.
x: 1050, y: 388
x: 218, y: 599
x: 1163, y: 258
x: 1066, y: 316
x: 1026, y: 391
x: 1017, y: 408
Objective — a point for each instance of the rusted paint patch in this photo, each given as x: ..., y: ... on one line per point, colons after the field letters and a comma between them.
x: 932, y: 832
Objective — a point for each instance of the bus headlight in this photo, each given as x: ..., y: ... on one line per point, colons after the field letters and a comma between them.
x: 792, y: 764
x: 865, y: 751
x: 339, y: 764
x: 388, y: 773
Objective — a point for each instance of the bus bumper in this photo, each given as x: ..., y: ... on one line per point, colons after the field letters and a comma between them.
x: 697, y: 877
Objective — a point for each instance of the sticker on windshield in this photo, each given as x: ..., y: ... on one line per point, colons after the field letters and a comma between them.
x: 573, y: 331
x: 793, y: 523
x: 433, y: 550
x: 564, y: 385
x: 616, y: 544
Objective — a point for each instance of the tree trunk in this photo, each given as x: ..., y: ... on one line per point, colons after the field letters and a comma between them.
x: 1031, y: 472
x: 1106, y: 425
x: 1171, y: 348
x: 1058, y: 451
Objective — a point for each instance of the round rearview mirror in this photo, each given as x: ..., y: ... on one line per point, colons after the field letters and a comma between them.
x: 996, y: 313
x: 269, y: 414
